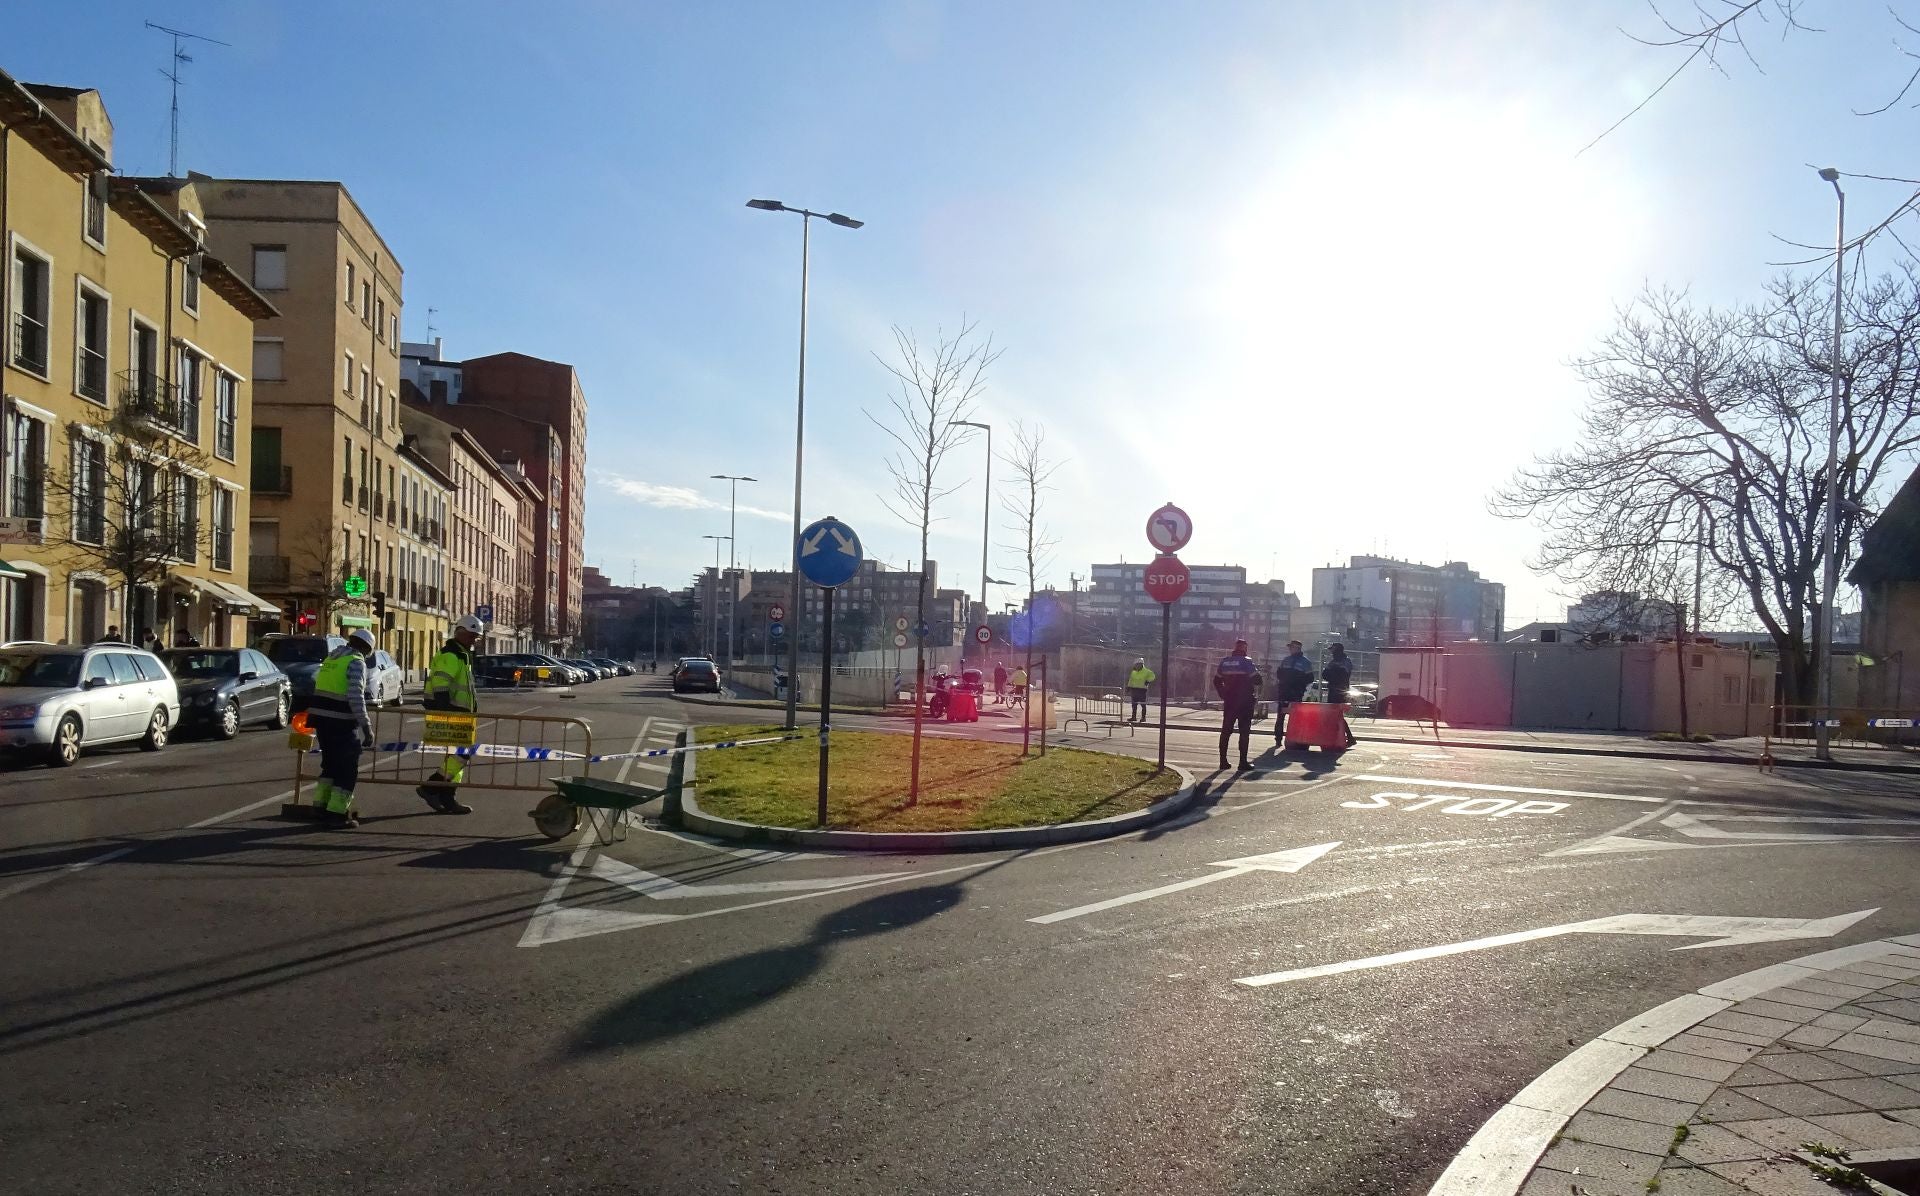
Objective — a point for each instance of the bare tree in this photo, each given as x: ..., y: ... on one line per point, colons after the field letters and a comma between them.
x: 933, y: 387
x: 1031, y: 471
x: 1708, y: 428
x: 317, y: 576
x: 131, y: 493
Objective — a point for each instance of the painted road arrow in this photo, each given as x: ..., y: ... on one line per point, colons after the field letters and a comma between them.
x: 1725, y: 932
x: 1277, y: 861
x: 1703, y: 831
x: 662, y: 888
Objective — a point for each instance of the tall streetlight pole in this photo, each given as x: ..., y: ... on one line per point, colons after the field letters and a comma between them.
x: 986, y: 509
x: 733, y: 496
x: 799, y: 433
x: 713, y: 614
x: 1829, y: 532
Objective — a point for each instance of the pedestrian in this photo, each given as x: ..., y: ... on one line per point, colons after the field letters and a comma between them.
x: 181, y: 639
x: 1291, y: 681
x: 1339, y: 675
x: 338, y: 713
x: 999, y: 683
x: 450, y: 687
x: 112, y: 636
x: 1017, y: 681
x: 1237, y: 681
x: 1137, y: 682
x: 146, y: 639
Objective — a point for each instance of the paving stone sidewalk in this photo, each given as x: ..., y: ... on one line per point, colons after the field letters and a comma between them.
x: 1819, y: 1072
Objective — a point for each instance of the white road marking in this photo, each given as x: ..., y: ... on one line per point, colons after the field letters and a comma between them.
x: 550, y: 921
x: 1434, y: 784
x: 663, y: 888
x: 1723, y: 932
x: 1278, y: 861
x: 1699, y: 827
x: 1597, y: 843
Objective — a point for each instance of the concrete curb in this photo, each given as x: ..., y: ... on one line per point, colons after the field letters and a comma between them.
x: 1503, y: 1152
x: 693, y: 818
x: 1643, y: 754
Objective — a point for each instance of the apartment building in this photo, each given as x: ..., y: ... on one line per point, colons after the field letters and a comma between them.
x: 125, y: 392
x: 335, y: 496
x: 1423, y: 604
x: 489, y: 573
x: 1213, y: 613
x: 535, y: 410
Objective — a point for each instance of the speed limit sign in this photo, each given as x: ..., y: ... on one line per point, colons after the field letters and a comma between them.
x: 983, y: 634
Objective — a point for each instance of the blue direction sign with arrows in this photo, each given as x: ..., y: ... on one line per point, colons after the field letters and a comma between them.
x: 776, y: 631
x: 828, y: 552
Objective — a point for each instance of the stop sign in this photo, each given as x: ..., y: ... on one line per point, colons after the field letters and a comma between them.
x: 1166, y: 578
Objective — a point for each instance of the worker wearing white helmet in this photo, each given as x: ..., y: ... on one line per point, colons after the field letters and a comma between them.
x: 338, y: 712
x: 450, y: 687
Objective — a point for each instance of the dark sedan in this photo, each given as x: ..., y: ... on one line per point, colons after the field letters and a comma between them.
x: 696, y: 674
x: 223, y: 688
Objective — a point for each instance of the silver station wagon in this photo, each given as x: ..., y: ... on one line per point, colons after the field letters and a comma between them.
x: 60, y: 700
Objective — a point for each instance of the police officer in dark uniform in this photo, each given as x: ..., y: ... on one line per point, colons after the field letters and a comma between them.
x: 1237, y: 681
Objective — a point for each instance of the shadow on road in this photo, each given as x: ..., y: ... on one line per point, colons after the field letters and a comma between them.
x: 719, y: 991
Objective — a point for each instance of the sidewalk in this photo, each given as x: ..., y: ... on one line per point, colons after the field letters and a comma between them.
x: 1745, y: 750
x: 1803, y: 1078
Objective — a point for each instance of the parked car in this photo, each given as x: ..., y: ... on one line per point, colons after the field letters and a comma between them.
x: 1360, y: 697
x: 592, y: 671
x: 696, y: 674
x: 223, y: 688
x: 608, y: 667
x: 561, y: 672
x: 385, y: 679
x: 299, y: 657
x: 61, y: 700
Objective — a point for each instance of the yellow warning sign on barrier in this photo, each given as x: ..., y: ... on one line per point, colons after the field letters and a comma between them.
x: 449, y: 730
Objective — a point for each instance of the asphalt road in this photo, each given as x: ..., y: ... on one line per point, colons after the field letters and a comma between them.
x: 199, y: 997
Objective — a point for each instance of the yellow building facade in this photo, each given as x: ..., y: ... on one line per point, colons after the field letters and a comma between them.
x: 125, y: 395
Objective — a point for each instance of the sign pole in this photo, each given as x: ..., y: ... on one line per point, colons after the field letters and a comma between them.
x: 826, y: 693
x: 1166, y: 679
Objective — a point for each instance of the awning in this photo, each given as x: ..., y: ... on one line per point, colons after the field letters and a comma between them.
x: 8, y: 569
x: 205, y: 587
x: 246, y: 599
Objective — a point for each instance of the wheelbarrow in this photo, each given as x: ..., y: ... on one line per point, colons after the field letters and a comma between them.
x: 606, y: 804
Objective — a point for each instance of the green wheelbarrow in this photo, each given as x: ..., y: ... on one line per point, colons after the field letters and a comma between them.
x: 606, y: 805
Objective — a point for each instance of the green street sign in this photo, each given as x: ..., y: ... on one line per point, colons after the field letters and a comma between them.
x: 354, y: 587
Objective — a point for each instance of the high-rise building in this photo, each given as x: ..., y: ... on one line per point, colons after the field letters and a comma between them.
x: 1423, y: 604
x: 537, y: 411
x: 1214, y: 612
x: 346, y: 526
x: 126, y: 392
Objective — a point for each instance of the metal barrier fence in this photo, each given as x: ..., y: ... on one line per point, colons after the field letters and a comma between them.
x: 524, y: 752
x: 1848, y: 726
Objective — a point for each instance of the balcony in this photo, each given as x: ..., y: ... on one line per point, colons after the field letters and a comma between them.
x: 267, y: 571
x: 29, y: 343
x: 435, y: 533
x: 362, y: 492
x: 272, y: 479
x: 92, y: 383
x: 151, y: 399
x: 346, y: 488
x: 390, y: 508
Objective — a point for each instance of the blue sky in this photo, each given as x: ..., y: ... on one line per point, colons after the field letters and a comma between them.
x: 1312, y: 271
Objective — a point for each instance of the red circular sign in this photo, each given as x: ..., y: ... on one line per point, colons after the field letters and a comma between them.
x: 1166, y: 578
x: 776, y: 612
x: 983, y: 633
x: 1169, y: 529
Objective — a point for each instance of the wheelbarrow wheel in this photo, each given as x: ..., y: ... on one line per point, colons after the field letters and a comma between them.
x: 555, y: 817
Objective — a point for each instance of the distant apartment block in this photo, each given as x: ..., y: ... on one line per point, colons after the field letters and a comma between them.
x: 1422, y: 604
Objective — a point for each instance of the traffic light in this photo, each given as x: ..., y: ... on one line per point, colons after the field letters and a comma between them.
x: 293, y: 613
x: 380, y: 605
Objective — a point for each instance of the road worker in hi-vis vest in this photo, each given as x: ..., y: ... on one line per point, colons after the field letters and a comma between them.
x: 338, y: 714
x: 450, y: 687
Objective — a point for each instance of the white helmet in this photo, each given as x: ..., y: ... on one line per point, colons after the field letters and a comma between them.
x: 362, y: 636
x: 470, y: 623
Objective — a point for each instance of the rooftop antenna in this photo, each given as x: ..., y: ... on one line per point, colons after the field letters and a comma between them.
x: 172, y: 74
x: 431, y: 328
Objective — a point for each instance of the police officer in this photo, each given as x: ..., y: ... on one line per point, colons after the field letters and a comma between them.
x: 1237, y: 681
x: 1137, y: 681
x: 1339, y: 675
x: 450, y: 687
x: 338, y: 714
x: 1291, y: 681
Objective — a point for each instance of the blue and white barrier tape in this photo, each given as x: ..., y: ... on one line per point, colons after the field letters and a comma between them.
x: 508, y: 751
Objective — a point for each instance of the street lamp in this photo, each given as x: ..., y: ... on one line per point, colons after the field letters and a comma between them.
x: 1829, y: 532
x: 713, y: 615
x: 986, y: 507
x: 733, y: 495
x: 799, y: 431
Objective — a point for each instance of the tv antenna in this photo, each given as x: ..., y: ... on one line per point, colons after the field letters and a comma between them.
x: 172, y: 74
x: 431, y: 312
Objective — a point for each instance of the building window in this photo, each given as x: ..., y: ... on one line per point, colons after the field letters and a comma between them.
x: 226, y: 414
x: 93, y: 223
x: 346, y: 373
x: 366, y: 301
x: 32, y: 306
x: 269, y: 360
x: 394, y: 331
x: 190, y: 283
x: 222, y: 528
x: 89, y: 490
x: 346, y: 469
x: 366, y: 394
x: 379, y: 404
x: 269, y: 267
x: 380, y: 319
x: 183, y: 516
x: 190, y: 394
x: 90, y: 363
x: 352, y: 275
x: 26, y: 466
